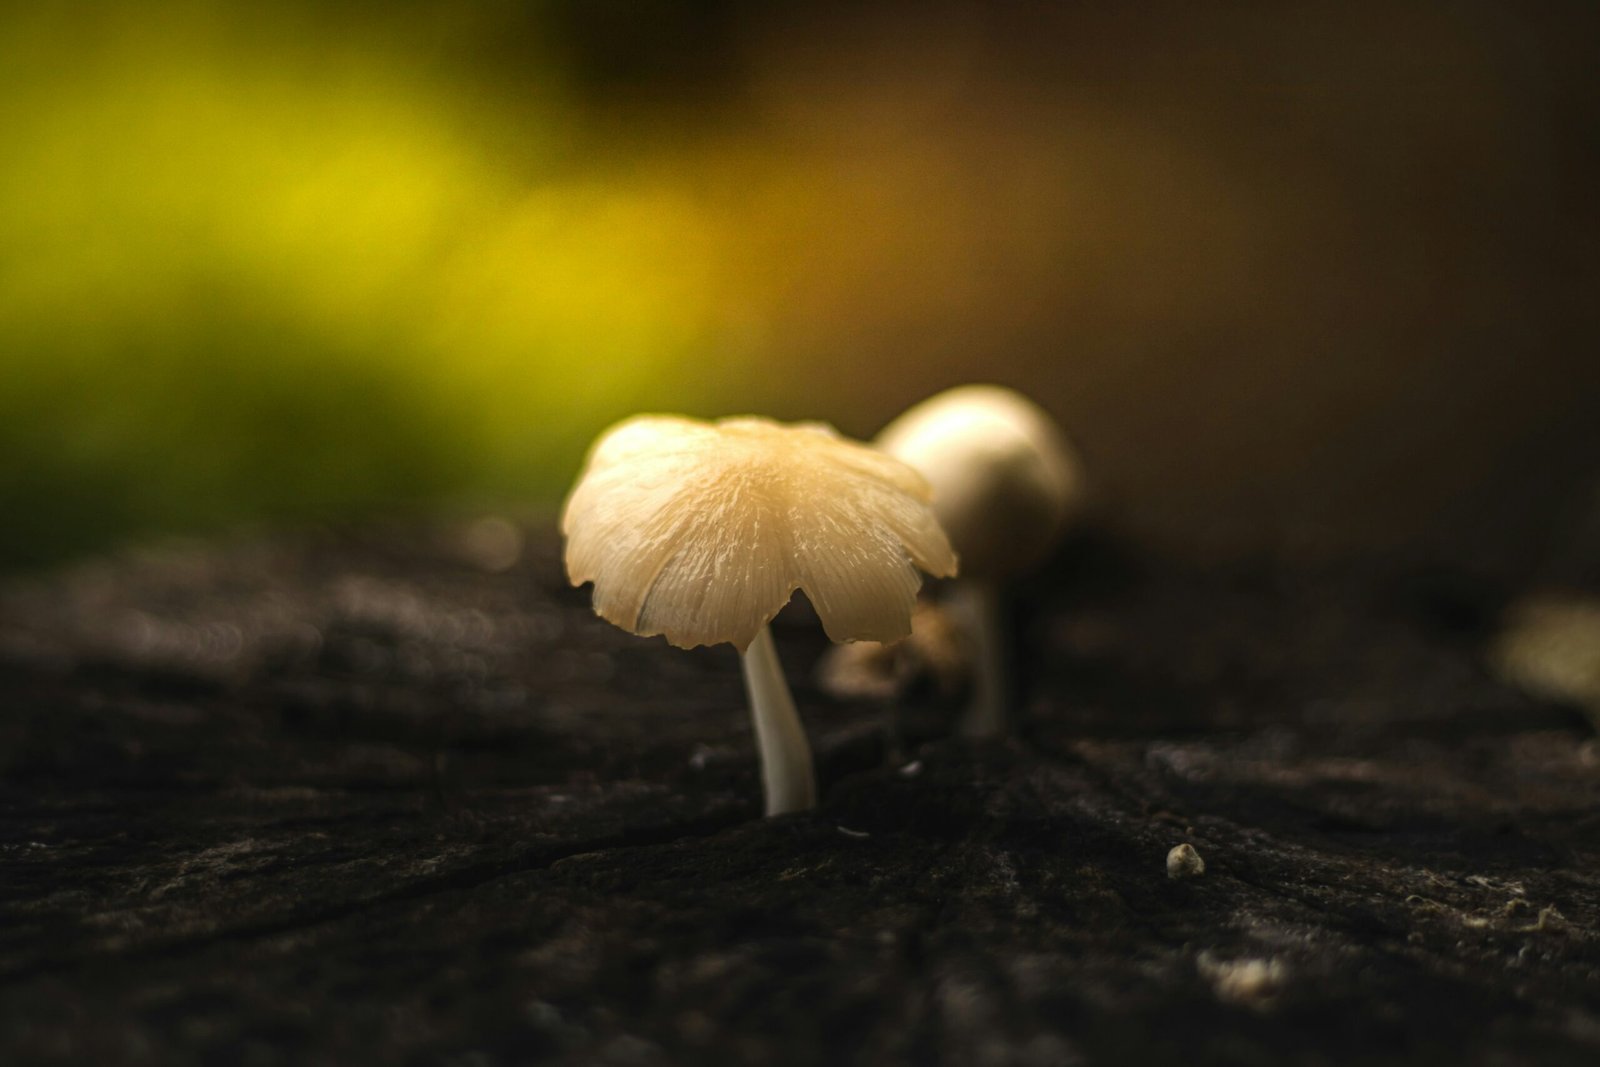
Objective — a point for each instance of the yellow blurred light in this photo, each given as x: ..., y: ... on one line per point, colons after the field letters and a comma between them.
x: 212, y: 227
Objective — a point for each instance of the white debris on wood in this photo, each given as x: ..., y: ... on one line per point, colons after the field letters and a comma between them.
x: 1250, y: 983
x: 1184, y: 862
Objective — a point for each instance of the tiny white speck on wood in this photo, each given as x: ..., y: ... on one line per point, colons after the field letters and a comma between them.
x: 1184, y: 862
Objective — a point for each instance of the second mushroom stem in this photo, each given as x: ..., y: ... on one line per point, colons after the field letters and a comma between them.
x: 981, y: 612
x: 786, y: 770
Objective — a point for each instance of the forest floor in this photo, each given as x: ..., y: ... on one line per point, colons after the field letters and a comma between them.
x: 384, y: 798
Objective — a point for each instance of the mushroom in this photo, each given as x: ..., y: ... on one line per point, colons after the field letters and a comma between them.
x: 701, y: 532
x: 1005, y: 485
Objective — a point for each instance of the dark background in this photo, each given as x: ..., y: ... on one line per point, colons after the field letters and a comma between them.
x: 1309, y: 274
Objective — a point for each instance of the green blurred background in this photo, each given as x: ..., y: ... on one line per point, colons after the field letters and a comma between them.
x: 1317, y: 273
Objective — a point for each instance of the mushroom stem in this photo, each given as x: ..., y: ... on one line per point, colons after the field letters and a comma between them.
x: 786, y: 771
x: 978, y: 605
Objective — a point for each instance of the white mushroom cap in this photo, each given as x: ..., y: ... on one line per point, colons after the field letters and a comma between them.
x: 1005, y: 480
x: 703, y: 531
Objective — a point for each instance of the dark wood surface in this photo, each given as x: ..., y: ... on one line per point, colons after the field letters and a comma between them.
x: 338, y: 799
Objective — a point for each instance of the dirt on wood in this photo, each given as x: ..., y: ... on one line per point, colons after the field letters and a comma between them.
x: 338, y: 799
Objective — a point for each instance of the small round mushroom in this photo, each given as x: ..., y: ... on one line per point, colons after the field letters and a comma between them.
x: 1006, y: 483
x: 701, y: 532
